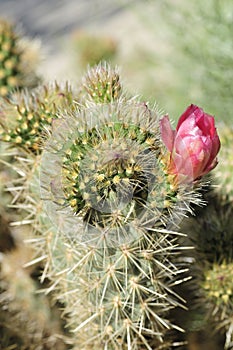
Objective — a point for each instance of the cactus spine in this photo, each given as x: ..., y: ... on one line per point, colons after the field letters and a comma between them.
x: 27, y: 115
x: 115, y: 209
x: 27, y: 319
x: 108, y: 237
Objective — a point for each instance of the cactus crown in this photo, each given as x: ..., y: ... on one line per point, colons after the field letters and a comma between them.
x: 110, y: 163
x: 102, y: 84
x: 25, y: 115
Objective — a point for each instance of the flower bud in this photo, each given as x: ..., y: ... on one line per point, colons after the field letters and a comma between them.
x: 193, y: 146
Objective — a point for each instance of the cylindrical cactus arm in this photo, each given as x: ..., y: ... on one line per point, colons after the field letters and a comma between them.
x: 107, y: 190
x: 112, y: 207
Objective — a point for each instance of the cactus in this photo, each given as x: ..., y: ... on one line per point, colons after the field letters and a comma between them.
x: 213, y: 241
x: 106, y: 225
x: 101, y: 84
x: 18, y: 59
x: 27, y: 115
x: 218, y: 291
x: 122, y: 248
x: 27, y: 319
x: 114, y: 182
x: 26, y: 118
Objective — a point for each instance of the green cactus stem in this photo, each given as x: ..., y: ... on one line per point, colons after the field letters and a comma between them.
x: 218, y: 289
x: 114, y: 205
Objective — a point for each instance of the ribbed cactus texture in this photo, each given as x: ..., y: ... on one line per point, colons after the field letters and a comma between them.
x: 103, y: 210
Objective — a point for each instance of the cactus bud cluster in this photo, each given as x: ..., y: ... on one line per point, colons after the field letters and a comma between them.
x: 218, y: 283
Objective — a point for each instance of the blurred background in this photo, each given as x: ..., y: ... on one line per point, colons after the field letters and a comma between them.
x: 172, y: 52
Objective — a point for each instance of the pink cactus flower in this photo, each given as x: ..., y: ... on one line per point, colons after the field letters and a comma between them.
x: 193, y: 146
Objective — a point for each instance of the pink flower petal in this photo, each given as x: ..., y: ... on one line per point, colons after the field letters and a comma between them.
x: 190, y: 110
x: 193, y: 146
x: 167, y: 134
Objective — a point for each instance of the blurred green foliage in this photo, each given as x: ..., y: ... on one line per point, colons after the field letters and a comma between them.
x: 91, y: 49
x: 19, y: 58
x: 191, y: 60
